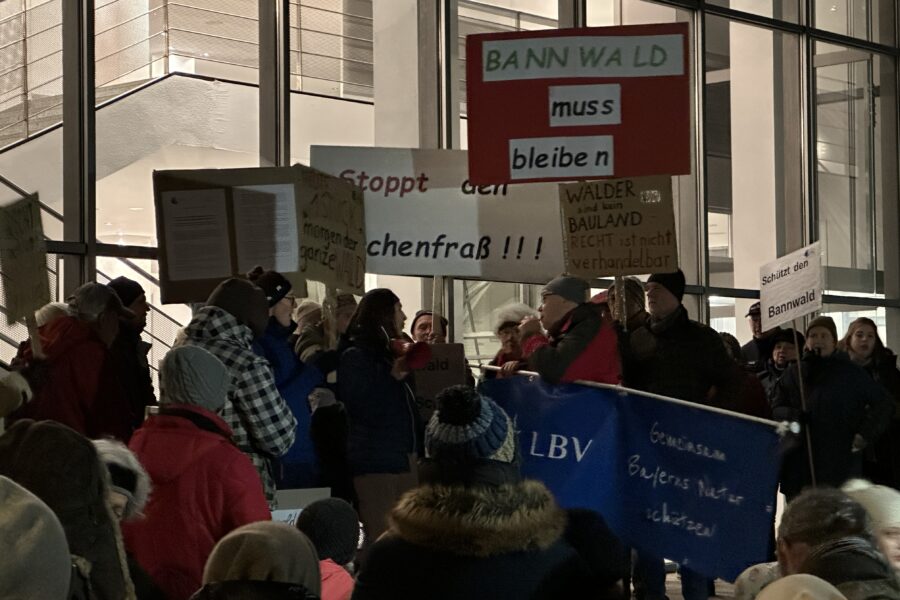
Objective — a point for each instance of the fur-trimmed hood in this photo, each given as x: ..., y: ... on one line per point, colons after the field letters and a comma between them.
x: 479, y: 521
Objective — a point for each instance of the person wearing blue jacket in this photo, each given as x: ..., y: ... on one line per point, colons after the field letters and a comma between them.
x: 385, y: 431
x: 294, y: 379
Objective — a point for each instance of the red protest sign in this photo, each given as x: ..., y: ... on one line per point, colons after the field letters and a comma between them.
x: 561, y: 105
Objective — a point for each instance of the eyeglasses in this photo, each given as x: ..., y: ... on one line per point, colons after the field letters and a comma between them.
x: 291, y: 299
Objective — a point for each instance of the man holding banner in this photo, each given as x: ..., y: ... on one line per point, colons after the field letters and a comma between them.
x: 674, y: 356
x: 579, y: 344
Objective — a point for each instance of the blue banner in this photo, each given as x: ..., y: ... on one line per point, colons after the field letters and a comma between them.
x: 673, y: 481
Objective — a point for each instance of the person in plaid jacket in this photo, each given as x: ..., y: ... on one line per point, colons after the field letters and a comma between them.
x: 235, y: 314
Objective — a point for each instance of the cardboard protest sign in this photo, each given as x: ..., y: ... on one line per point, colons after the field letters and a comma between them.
x: 559, y: 105
x: 423, y: 216
x: 217, y: 223
x: 619, y: 227
x: 446, y: 368
x: 791, y: 286
x: 333, y: 237
x: 670, y: 480
x: 23, y: 259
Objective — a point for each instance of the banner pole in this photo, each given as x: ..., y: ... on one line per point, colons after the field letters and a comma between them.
x: 809, y: 453
x: 623, y: 389
x: 329, y: 316
x: 620, y: 302
x: 437, y: 307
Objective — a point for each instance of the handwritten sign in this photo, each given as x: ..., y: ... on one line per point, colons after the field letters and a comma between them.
x: 791, y: 286
x: 333, y: 236
x: 446, y: 368
x: 619, y: 227
x: 673, y: 481
x: 570, y: 104
x: 424, y: 217
x: 23, y: 259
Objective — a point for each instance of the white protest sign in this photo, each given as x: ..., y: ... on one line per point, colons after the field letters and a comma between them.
x: 423, y: 217
x: 790, y: 287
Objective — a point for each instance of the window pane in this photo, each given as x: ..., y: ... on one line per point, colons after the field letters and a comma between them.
x: 781, y: 10
x: 177, y: 123
x: 856, y: 166
x: 753, y: 154
x: 865, y: 19
x: 844, y: 314
x: 331, y: 47
x: 476, y: 304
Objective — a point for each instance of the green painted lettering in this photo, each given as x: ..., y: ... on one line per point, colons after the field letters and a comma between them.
x: 591, y: 57
x: 492, y: 61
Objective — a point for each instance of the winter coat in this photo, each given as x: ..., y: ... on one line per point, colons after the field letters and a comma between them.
x: 129, y: 360
x: 203, y: 488
x: 883, y: 466
x: 854, y: 567
x: 581, y: 346
x: 330, y: 430
x: 450, y: 542
x: 337, y: 583
x: 295, y: 381
x: 683, y: 359
x: 253, y: 590
x: 751, y: 398
x: 500, y: 359
x: 79, y: 386
x: 842, y: 401
x: 758, y: 351
x: 61, y: 467
x: 769, y: 378
x: 263, y: 425
x: 384, y: 424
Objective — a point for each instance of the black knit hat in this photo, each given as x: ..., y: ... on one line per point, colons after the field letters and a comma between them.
x: 422, y: 313
x: 332, y: 525
x: 274, y: 284
x: 674, y: 282
x: 128, y: 290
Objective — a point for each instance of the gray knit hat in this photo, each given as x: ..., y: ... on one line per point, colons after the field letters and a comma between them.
x: 191, y: 375
x: 573, y: 289
x: 35, y: 562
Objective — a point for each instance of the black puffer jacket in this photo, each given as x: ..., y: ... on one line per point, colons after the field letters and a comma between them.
x: 384, y: 424
x: 883, y: 460
x: 842, y: 401
x: 681, y: 358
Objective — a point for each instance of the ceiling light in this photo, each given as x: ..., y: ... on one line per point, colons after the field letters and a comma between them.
x: 136, y: 208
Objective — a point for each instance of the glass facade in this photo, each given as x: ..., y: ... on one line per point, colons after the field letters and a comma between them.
x: 795, y: 121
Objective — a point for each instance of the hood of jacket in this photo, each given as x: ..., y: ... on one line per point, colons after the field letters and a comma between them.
x: 855, y: 567
x: 169, y: 445
x: 63, y: 335
x: 580, y: 313
x: 212, y: 323
x: 479, y: 521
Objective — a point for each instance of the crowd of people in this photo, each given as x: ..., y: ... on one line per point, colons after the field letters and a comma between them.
x: 109, y: 492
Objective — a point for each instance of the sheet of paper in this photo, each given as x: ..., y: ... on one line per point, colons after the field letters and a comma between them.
x: 265, y: 219
x: 196, y: 223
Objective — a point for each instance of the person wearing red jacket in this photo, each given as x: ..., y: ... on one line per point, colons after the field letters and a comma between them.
x: 203, y: 486
x: 580, y: 341
x: 75, y: 383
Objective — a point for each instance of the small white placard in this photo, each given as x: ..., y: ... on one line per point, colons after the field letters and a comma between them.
x: 790, y: 287
x: 585, y: 105
x: 533, y: 158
